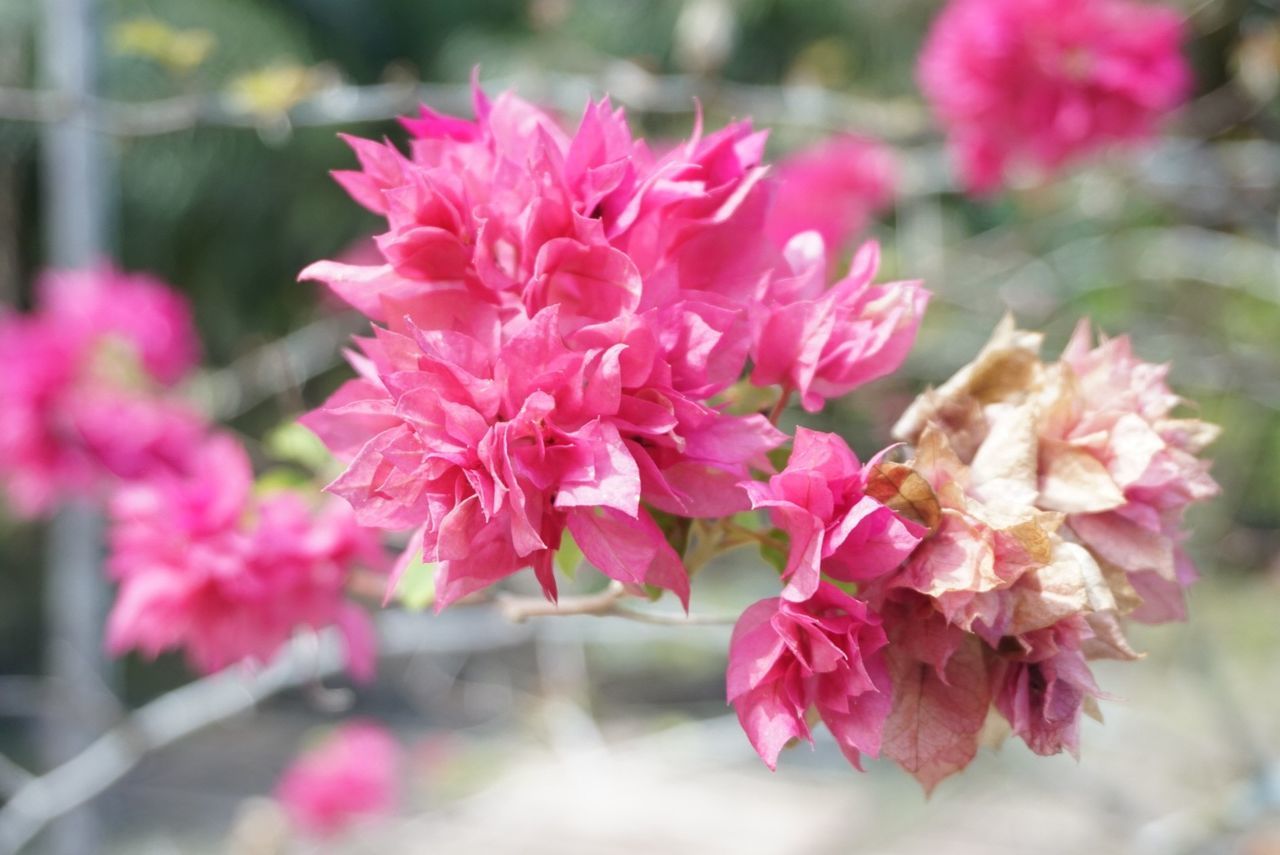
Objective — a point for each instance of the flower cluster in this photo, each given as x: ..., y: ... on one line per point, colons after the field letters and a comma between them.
x: 565, y: 317
x: 206, y: 566
x: 1041, y: 505
x: 93, y: 409
x: 99, y: 353
x: 1037, y: 83
x: 353, y: 775
x: 570, y: 336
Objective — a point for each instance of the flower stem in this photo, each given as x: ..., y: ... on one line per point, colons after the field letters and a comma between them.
x: 784, y: 398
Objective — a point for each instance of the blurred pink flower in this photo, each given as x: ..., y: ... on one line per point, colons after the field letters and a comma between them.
x: 823, y: 654
x: 835, y: 528
x: 825, y: 342
x: 833, y: 188
x: 352, y: 776
x: 209, y: 568
x: 1042, y: 82
x: 84, y: 389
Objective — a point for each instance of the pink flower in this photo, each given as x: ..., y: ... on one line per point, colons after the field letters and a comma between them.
x: 833, y: 188
x: 138, y: 310
x: 825, y: 342
x: 1042, y: 691
x: 513, y: 213
x: 824, y: 654
x: 1042, y: 82
x: 353, y: 775
x: 84, y: 391
x: 835, y: 528
x: 493, y: 453
x: 206, y: 567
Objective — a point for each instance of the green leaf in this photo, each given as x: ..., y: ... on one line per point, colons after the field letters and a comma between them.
x: 293, y: 443
x: 569, y: 556
x: 279, y: 479
x: 416, y: 589
x: 776, y: 557
x: 779, y: 456
x: 674, y: 528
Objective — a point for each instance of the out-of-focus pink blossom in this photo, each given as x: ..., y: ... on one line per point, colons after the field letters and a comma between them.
x: 1040, y: 82
x: 84, y: 388
x: 835, y: 528
x: 833, y: 188
x: 352, y: 776
x: 825, y: 342
x: 824, y: 654
x: 207, y: 567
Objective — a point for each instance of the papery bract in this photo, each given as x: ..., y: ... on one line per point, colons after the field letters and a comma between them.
x: 825, y: 342
x: 560, y: 309
x: 834, y: 527
x: 824, y: 654
x: 1042, y: 691
x: 1042, y: 82
x: 352, y: 776
x: 1108, y: 453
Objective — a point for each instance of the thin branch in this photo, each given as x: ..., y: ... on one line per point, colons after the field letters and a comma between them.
x: 519, y: 609
x: 629, y: 84
x: 607, y: 603
x: 276, y: 368
x: 671, y: 619
x: 210, y: 701
x: 12, y: 777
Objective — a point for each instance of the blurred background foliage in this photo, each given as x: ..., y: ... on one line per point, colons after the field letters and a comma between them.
x: 1176, y: 244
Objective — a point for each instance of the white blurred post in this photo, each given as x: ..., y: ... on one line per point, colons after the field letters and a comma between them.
x: 73, y: 203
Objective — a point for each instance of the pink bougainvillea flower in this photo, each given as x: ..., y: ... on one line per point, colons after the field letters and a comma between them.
x: 825, y: 342
x: 207, y: 567
x: 825, y: 654
x: 84, y: 389
x: 512, y: 212
x: 352, y: 776
x: 137, y: 310
x: 492, y: 454
x: 820, y: 501
x: 833, y: 188
x: 1040, y: 82
x: 1042, y: 692
x: 560, y: 308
